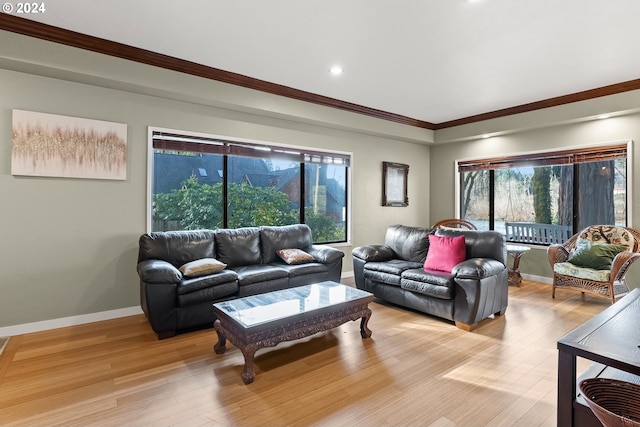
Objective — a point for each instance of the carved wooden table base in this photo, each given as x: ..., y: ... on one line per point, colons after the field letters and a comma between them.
x: 291, y: 328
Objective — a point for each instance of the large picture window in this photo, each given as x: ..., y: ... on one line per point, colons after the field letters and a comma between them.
x: 545, y: 198
x: 200, y: 182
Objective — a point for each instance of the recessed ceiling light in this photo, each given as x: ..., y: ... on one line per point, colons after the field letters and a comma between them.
x: 336, y: 70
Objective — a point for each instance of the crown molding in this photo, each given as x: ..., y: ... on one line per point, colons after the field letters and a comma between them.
x: 546, y: 103
x: 54, y: 34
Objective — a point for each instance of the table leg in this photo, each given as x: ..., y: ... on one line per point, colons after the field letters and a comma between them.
x: 566, y: 388
x: 365, y: 332
x: 248, y: 373
x: 220, y: 347
x: 514, y: 273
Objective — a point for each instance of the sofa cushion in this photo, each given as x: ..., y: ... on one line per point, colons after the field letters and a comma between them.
x: 260, y: 273
x: 208, y: 294
x: 272, y: 239
x: 433, y: 283
x: 408, y: 243
x: 568, y: 269
x: 238, y: 247
x: 382, y: 277
x: 192, y: 285
x: 394, y: 266
x: 598, y: 256
x: 202, y: 267
x: 264, y: 287
x: 388, y: 272
x: 481, y: 244
x: 445, y: 252
x: 294, y: 256
x: 176, y: 247
x: 302, y: 269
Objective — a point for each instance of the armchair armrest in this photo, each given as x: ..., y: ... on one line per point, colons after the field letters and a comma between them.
x: 158, y: 271
x: 374, y: 253
x: 477, y: 268
x: 557, y: 253
x: 324, y: 254
x: 621, y: 264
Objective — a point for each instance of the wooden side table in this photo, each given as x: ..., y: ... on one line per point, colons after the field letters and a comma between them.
x: 516, y: 251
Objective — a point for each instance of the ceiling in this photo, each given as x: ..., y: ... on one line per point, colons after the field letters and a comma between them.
x: 431, y: 60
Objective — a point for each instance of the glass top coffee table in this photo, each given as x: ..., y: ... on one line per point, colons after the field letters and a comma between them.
x: 264, y: 320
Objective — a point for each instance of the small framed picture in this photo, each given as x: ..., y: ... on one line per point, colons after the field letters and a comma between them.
x: 394, y: 184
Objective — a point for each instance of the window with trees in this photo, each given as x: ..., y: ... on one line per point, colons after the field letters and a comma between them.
x: 545, y: 198
x: 204, y: 182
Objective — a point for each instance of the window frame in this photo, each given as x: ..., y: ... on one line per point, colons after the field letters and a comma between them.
x: 565, y: 152
x: 240, y: 147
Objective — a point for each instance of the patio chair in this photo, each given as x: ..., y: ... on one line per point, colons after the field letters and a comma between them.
x: 595, y: 261
x: 454, y: 223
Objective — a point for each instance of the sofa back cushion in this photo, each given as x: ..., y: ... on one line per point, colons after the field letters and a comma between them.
x: 177, y: 247
x: 481, y: 244
x: 409, y: 243
x: 238, y: 247
x: 296, y: 236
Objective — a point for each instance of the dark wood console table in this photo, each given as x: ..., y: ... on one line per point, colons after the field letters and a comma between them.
x: 612, y: 340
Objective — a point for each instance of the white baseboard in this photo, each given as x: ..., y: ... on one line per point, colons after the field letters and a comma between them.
x: 541, y: 279
x: 45, y: 325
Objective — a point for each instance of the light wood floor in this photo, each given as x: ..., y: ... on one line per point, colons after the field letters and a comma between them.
x: 414, y: 371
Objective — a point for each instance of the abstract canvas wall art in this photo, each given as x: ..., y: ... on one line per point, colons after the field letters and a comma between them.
x: 62, y: 146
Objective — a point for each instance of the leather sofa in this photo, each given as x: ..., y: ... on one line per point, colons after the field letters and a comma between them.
x: 473, y: 290
x: 173, y: 301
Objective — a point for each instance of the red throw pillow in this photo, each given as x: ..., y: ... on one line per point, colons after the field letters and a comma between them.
x: 445, y: 252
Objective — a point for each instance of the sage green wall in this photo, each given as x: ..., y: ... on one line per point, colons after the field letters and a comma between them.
x: 534, y: 135
x: 69, y: 246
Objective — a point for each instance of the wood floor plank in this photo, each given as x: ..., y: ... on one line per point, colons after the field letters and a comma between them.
x: 414, y: 370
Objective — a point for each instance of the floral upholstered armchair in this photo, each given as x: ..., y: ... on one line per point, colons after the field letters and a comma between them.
x: 595, y: 260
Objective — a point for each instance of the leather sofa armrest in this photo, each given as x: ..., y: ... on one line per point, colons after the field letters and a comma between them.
x: 158, y: 271
x: 374, y: 253
x: 324, y: 254
x: 477, y: 268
